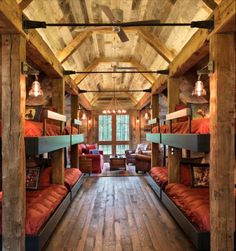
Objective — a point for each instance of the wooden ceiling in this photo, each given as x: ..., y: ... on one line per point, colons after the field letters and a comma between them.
x: 100, y: 49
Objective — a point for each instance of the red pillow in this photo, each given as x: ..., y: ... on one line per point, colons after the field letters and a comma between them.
x: 82, y: 149
x: 185, y: 175
x: 180, y: 107
x: 45, y: 177
x: 91, y: 147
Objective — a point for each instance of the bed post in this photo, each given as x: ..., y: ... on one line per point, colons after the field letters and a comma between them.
x: 222, y: 156
x: 74, y: 148
x: 174, y: 154
x: 13, y: 53
x: 58, y: 90
x: 155, y: 114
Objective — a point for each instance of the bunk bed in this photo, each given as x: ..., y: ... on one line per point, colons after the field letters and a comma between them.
x: 46, y: 206
x: 187, y: 205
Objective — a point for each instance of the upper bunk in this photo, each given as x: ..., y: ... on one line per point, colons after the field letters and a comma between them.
x: 190, y: 134
x: 43, y: 137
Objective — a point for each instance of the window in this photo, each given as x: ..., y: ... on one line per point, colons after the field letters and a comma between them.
x: 122, y: 127
x: 118, y: 141
x: 120, y: 149
x: 107, y: 149
x: 105, y: 128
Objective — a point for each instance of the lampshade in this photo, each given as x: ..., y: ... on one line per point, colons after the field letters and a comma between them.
x: 36, y: 89
x: 199, y: 89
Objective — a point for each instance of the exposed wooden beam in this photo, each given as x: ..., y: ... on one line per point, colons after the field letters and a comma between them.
x: 143, y: 101
x: 222, y: 127
x: 160, y: 84
x: 95, y: 98
x: 210, y: 4
x: 196, y: 49
x: 84, y: 102
x: 224, y: 17
x: 72, y: 46
x: 156, y: 44
x: 13, y: 52
x: 24, y: 3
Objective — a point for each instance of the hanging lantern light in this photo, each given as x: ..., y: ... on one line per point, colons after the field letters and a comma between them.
x: 199, y: 89
x: 36, y: 89
x: 146, y: 116
x: 84, y: 116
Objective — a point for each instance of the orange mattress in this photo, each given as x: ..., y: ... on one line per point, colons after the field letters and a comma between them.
x: 40, y: 205
x: 193, y: 202
x: 198, y: 126
x: 71, y: 176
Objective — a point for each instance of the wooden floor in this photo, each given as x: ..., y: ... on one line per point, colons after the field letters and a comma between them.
x: 117, y: 213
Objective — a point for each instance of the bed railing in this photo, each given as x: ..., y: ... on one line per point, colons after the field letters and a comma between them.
x: 47, y: 114
x: 186, y: 112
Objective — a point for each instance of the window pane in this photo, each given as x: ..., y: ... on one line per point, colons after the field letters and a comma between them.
x: 105, y: 128
x: 122, y: 127
x: 120, y: 149
x: 106, y: 149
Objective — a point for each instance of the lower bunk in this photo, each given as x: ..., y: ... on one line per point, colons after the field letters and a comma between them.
x: 46, y: 206
x: 188, y: 206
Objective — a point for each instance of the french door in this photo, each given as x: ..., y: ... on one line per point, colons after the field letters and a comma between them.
x: 114, y: 133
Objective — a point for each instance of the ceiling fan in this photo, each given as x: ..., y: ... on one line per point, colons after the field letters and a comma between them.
x: 120, y: 32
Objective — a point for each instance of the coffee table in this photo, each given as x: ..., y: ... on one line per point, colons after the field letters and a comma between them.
x: 117, y: 162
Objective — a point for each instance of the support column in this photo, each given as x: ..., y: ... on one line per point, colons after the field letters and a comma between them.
x: 13, y: 52
x: 74, y: 149
x: 58, y: 101
x: 138, y: 127
x: 222, y: 156
x: 155, y: 114
x: 174, y: 154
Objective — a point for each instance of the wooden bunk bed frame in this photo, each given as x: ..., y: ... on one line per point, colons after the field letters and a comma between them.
x: 40, y: 145
x: 193, y: 142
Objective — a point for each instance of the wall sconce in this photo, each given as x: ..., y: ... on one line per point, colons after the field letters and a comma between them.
x: 146, y: 115
x: 84, y: 116
x: 199, y: 89
x: 137, y: 119
x: 36, y: 89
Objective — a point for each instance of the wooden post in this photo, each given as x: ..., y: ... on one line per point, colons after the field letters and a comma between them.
x: 13, y: 52
x: 174, y: 154
x: 58, y: 163
x: 74, y: 149
x: 222, y: 159
x: 155, y: 114
x: 138, y: 127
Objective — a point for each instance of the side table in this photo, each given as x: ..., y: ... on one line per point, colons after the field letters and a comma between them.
x: 85, y: 165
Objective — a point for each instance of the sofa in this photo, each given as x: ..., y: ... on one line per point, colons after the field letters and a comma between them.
x: 91, y: 152
x: 131, y: 154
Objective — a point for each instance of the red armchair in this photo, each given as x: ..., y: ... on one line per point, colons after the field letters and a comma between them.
x: 96, y: 156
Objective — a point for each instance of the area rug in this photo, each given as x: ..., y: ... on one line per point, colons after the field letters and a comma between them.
x: 130, y: 171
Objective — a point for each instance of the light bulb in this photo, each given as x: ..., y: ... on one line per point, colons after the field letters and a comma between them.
x: 146, y: 115
x: 36, y: 89
x: 199, y: 88
x: 84, y: 116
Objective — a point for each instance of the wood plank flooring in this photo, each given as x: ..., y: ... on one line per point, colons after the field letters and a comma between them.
x: 117, y: 213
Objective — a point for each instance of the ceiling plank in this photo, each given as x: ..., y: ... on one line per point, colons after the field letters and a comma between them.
x: 210, y: 4
x: 90, y: 67
x: 72, y: 46
x: 24, y: 3
x: 156, y: 44
x: 95, y: 98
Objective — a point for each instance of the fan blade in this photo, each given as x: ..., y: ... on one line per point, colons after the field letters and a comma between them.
x: 107, y: 11
x: 92, y: 28
x: 123, y: 37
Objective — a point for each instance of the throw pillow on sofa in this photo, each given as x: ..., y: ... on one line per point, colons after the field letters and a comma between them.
x: 140, y: 148
x: 94, y: 151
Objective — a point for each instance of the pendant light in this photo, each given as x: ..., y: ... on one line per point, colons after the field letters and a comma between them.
x: 199, y: 89
x: 36, y: 89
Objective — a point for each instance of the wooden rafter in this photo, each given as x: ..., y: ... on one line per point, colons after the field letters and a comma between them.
x: 72, y: 46
x: 156, y: 44
x: 210, y: 4
x: 24, y: 3
x: 151, y: 39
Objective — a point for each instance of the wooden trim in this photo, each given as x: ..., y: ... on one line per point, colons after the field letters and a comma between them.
x: 54, y: 115
x: 24, y: 3
x: 13, y: 83
x: 179, y: 114
x: 74, y: 190
x: 153, y: 121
